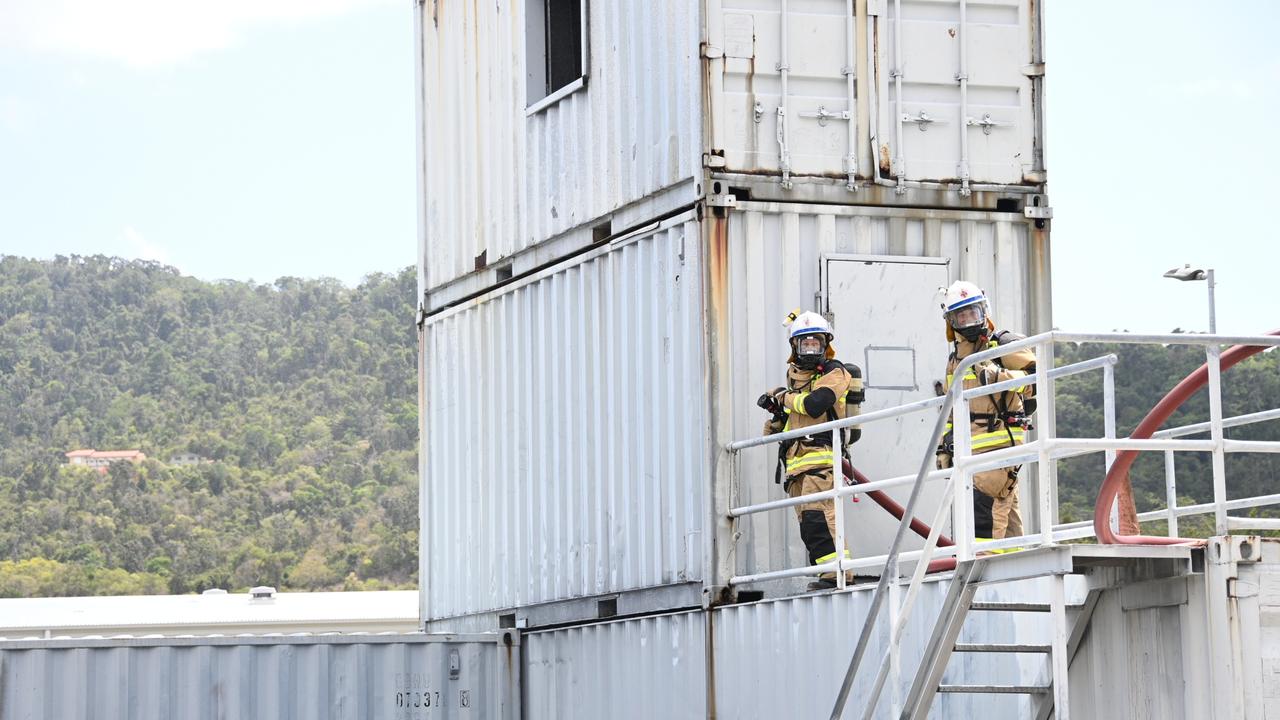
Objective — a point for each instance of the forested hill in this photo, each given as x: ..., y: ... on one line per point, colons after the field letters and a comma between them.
x: 299, y: 396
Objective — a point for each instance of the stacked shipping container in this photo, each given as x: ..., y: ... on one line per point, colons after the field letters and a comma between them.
x: 604, y: 267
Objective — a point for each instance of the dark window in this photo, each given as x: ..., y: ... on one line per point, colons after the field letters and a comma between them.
x: 564, y: 43
x: 555, y: 43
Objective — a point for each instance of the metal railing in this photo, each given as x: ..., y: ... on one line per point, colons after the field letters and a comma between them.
x: 1044, y: 451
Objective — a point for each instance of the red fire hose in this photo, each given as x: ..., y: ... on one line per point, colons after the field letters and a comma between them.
x: 1119, y: 473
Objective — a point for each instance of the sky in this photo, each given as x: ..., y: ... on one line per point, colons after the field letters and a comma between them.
x: 243, y: 139
x: 253, y: 139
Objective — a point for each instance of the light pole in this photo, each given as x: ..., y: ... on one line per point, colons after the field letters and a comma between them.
x: 1187, y: 273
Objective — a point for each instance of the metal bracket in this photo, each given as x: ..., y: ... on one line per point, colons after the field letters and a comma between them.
x: 711, y: 160
x: 723, y: 201
x: 758, y: 111
x: 823, y: 115
x: 922, y: 121
x: 1037, y: 208
x: 986, y: 123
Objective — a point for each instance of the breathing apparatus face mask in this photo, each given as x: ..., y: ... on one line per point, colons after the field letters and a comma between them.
x: 969, y: 322
x: 809, y: 350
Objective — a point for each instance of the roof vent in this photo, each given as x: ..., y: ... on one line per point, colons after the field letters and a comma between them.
x: 262, y: 592
x: 214, y: 591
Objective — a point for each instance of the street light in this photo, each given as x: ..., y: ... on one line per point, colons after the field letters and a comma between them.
x: 1187, y: 273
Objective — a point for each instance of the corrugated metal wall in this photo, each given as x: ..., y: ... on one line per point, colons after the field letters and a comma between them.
x: 772, y: 659
x: 565, y: 432
x: 497, y: 181
x: 1000, y: 35
x: 999, y: 121
x: 774, y: 257
x: 652, y: 667
x: 283, y: 678
x: 787, y: 658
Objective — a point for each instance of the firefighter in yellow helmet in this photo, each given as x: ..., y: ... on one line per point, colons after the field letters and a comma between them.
x: 819, y: 389
x: 996, y: 421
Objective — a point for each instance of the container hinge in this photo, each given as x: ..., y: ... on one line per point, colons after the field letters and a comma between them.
x: 1238, y: 588
x: 823, y: 115
x: 712, y: 160
x: 711, y: 52
x: 877, y: 7
x: 1033, y: 70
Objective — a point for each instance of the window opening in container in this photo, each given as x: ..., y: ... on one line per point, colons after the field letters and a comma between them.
x: 556, y: 50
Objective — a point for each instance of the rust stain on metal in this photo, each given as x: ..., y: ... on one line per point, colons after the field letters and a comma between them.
x: 885, y: 163
x: 718, y: 270
x: 951, y: 31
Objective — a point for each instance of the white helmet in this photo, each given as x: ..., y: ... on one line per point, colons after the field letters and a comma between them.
x: 811, y: 324
x: 966, y: 311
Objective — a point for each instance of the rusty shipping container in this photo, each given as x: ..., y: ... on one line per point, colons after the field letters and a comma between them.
x: 583, y: 464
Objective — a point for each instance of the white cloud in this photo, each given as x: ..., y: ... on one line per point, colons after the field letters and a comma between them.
x: 142, y: 249
x: 151, y: 32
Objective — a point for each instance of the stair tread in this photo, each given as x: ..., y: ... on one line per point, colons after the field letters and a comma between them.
x: 997, y: 689
x: 1003, y: 647
x: 1015, y: 606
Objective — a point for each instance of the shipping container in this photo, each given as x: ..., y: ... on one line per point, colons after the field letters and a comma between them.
x: 1196, y: 643
x: 1206, y: 645
x: 505, y: 169
x: 293, y: 677
x: 528, y: 156
x: 877, y: 274
x: 918, y: 90
x: 769, y: 659
x: 574, y: 419
x: 564, y: 436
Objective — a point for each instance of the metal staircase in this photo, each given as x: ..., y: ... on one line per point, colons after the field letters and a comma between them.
x: 1068, y: 623
x: 968, y: 579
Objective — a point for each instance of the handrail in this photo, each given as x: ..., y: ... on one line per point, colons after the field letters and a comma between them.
x: 1044, y: 450
x: 1209, y: 373
x: 891, y: 566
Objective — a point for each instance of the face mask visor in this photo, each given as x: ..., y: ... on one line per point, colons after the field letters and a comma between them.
x: 969, y: 316
x: 809, y: 350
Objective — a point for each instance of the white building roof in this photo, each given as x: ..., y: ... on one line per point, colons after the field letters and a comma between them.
x: 223, y: 613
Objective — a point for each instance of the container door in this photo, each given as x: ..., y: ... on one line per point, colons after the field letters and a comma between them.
x: 931, y: 126
x: 782, y: 92
x: 887, y: 320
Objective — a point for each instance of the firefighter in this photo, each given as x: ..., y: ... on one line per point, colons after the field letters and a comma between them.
x: 819, y: 389
x: 996, y: 421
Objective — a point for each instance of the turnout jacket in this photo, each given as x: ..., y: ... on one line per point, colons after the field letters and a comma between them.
x: 830, y: 392
x: 987, y: 414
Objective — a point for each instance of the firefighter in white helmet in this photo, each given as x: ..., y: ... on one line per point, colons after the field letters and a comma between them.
x: 819, y: 389
x: 996, y: 421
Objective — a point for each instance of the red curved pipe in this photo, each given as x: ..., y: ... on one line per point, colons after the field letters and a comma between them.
x: 1124, y: 459
x: 918, y: 526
